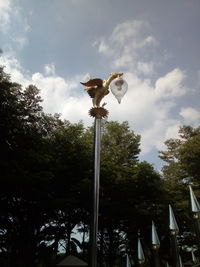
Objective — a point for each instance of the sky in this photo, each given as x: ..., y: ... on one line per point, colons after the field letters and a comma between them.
x: 56, y: 44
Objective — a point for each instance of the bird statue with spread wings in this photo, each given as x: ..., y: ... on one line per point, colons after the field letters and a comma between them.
x: 97, y: 89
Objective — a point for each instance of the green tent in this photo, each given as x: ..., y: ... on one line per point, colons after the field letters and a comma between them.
x: 72, y: 261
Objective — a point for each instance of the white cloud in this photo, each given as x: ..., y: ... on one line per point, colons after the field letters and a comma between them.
x: 123, y: 61
x: 20, y: 34
x: 190, y: 115
x: 173, y: 130
x: 14, y: 24
x: 150, y: 40
x: 5, y: 9
x: 145, y: 67
x: 59, y: 95
x: 22, y: 41
x: 14, y: 68
x: 127, y: 30
x: 54, y: 90
x: 103, y: 47
x: 127, y: 43
x: 49, y: 69
x: 171, y: 84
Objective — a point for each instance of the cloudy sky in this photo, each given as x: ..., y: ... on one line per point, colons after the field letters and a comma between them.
x: 55, y: 44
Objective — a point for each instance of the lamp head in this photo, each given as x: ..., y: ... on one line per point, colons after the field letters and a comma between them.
x: 119, y: 87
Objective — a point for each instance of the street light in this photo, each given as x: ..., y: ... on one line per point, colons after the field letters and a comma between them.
x: 97, y: 89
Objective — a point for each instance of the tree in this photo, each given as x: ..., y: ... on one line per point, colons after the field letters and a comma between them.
x: 190, y: 156
x: 20, y: 142
x: 43, y: 164
x: 182, y: 157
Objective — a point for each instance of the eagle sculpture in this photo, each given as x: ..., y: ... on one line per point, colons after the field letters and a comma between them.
x: 98, y: 88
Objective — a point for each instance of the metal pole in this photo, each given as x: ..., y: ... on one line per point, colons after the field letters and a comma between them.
x: 195, y: 209
x: 156, y: 258
x: 94, y: 232
x: 173, y: 232
x: 174, y: 250
x: 197, y: 231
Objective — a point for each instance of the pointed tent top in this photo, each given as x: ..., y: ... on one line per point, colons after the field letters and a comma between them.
x: 72, y: 261
x: 194, y: 259
x: 141, y: 258
x: 173, y: 226
x: 128, y: 264
x: 180, y: 261
x: 195, y: 207
x: 154, y: 237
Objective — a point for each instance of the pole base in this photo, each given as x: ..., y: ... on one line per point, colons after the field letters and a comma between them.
x: 98, y: 112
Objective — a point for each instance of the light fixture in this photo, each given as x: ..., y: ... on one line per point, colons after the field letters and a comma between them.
x: 119, y: 87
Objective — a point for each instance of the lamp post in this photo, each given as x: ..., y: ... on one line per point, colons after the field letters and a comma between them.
x: 128, y: 264
x: 155, y: 245
x: 195, y: 211
x: 173, y: 227
x: 97, y: 89
x: 194, y: 259
x: 140, y: 254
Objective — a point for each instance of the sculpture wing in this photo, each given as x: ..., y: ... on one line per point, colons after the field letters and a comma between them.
x: 93, y: 82
x: 91, y: 91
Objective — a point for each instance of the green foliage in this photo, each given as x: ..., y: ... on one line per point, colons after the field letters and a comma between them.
x: 129, y: 191
x: 120, y: 145
x: 182, y: 157
x: 189, y: 157
x: 43, y: 164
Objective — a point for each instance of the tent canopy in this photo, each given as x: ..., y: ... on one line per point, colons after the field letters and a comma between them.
x: 72, y: 261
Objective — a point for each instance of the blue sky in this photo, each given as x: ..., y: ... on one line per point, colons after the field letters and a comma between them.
x: 55, y: 44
